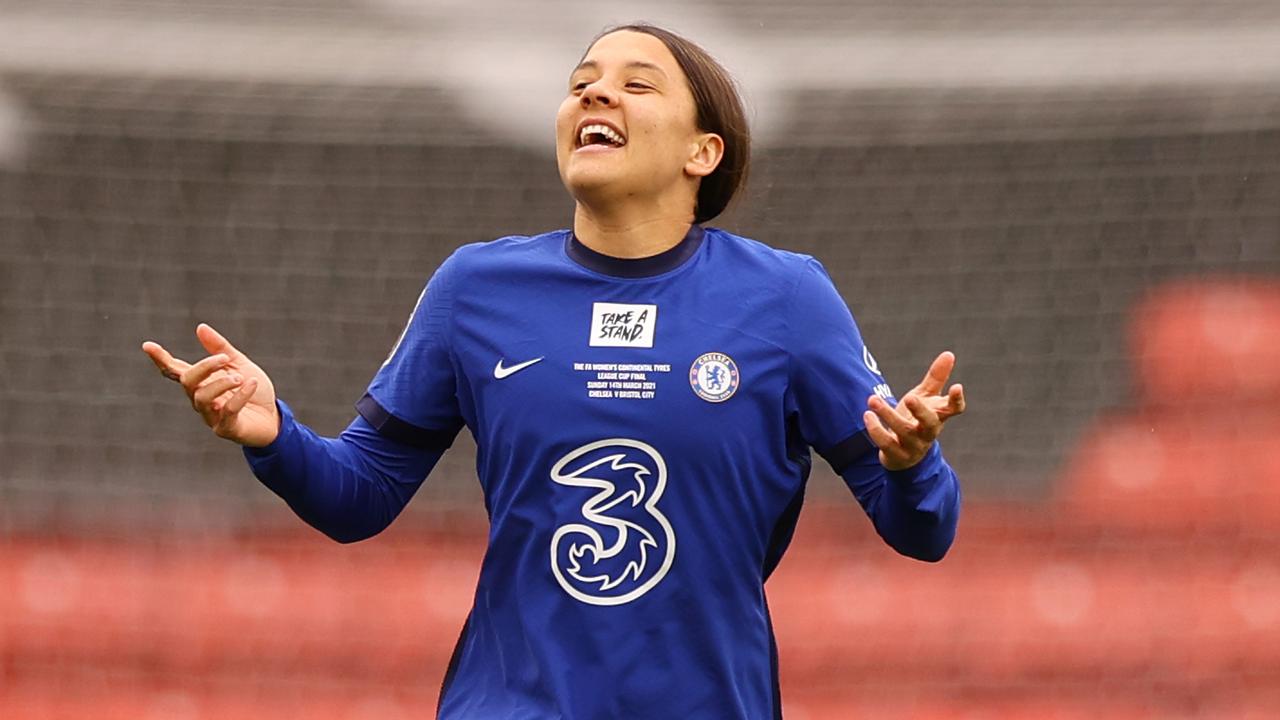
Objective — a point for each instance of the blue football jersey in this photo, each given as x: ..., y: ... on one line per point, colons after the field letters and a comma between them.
x: 643, y: 431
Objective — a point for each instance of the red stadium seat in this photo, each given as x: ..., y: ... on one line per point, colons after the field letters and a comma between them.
x: 1206, y: 343
x: 377, y: 611
x: 239, y: 626
x: 1029, y: 608
x: 1199, y: 451
x: 1155, y: 470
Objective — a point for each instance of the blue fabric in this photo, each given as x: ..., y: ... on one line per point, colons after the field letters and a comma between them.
x: 643, y: 465
x: 350, y: 487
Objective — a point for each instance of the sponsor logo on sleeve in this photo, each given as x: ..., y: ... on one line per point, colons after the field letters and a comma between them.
x: 870, y: 361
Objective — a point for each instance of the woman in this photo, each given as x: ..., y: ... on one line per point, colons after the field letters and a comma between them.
x: 643, y: 393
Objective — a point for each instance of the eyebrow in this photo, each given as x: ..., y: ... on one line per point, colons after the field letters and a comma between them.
x: 593, y: 65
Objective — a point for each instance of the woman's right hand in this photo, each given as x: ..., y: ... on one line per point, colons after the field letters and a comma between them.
x: 233, y: 395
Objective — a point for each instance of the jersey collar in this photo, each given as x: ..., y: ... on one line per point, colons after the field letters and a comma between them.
x: 635, y: 267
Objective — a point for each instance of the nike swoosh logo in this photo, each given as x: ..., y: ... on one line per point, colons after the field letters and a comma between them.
x: 500, y: 372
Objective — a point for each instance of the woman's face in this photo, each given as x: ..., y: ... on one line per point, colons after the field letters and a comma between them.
x: 630, y: 83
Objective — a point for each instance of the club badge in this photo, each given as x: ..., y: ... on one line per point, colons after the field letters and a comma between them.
x: 714, y: 377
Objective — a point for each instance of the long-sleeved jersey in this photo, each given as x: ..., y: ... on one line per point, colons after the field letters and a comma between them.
x: 643, y: 431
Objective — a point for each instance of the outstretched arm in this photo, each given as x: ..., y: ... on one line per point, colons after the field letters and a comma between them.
x: 901, y: 479
x: 914, y: 510
x: 350, y: 487
x: 891, y: 459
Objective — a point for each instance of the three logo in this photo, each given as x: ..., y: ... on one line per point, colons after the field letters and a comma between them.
x: 621, y: 545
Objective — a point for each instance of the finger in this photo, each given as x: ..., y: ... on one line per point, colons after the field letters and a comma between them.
x: 231, y: 409
x: 949, y: 405
x: 240, y: 398
x: 215, y: 376
x: 955, y: 401
x: 891, y: 417
x: 881, y: 436
x: 210, y: 391
x: 936, y: 377
x: 213, y: 341
x: 194, y: 375
x: 892, y: 452
x: 170, y: 366
x: 930, y: 424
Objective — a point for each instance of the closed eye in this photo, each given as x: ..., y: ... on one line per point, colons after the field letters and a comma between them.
x: 580, y: 86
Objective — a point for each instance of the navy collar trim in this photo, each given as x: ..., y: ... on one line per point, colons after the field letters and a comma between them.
x: 635, y: 267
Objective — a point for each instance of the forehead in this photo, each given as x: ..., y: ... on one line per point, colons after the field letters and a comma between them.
x: 626, y: 47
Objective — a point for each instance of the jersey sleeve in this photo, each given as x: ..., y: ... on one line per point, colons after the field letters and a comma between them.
x: 832, y: 371
x: 914, y: 510
x: 413, y: 397
x: 350, y: 487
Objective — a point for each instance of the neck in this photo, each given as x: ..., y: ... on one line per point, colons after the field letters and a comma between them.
x: 621, y: 233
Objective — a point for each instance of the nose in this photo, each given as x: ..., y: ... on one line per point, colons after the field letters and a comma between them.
x: 597, y: 92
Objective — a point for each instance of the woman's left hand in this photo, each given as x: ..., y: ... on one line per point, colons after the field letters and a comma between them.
x: 904, y: 434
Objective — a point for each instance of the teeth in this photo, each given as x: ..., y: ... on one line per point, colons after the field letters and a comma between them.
x: 604, y: 130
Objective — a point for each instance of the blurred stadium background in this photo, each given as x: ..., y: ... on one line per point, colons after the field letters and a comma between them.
x: 1081, y: 198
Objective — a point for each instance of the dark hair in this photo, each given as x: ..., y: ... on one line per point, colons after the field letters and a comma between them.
x: 719, y: 111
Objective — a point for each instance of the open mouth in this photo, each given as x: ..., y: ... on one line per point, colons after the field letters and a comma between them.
x: 597, y: 134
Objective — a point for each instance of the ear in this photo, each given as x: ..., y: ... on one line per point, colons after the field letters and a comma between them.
x: 706, y: 152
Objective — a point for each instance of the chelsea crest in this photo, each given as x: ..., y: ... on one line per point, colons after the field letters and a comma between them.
x: 714, y: 377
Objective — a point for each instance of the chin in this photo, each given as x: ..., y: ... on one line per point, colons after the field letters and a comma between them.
x: 593, y: 183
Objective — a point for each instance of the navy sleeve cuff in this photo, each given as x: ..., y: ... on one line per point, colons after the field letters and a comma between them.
x: 848, y: 451
x: 401, y: 431
x: 854, y: 448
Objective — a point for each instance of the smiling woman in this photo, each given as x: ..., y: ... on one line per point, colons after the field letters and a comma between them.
x: 689, y: 136
x: 643, y: 430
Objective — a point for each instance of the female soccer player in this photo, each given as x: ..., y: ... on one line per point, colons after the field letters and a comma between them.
x: 643, y: 392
